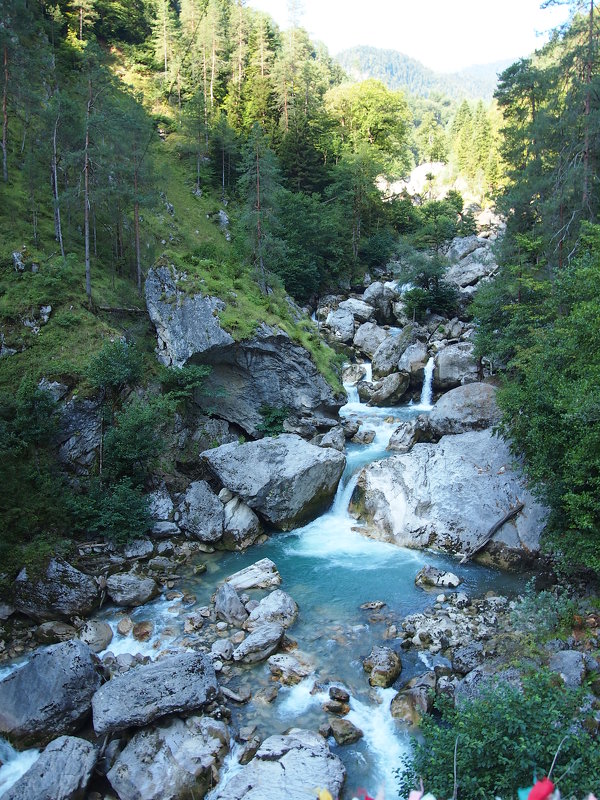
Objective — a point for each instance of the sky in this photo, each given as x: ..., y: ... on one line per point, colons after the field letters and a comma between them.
x: 445, y: 35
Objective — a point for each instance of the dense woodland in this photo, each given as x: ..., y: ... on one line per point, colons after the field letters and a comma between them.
x: 128, y: 127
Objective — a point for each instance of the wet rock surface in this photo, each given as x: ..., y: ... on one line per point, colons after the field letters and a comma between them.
x: 61, y: 590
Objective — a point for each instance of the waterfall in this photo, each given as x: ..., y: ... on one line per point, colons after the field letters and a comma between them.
x: 425, y: 403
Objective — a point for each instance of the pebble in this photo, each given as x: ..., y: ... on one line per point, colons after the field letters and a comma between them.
x: 124, y: 626
x: 221, y: 626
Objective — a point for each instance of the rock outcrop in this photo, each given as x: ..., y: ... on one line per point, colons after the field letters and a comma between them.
x: 467, y: 408
x: 173, y: 762
x: 448, y: 496
x: 284, y: 479
x: 49, y: 696
x: 455, y: 365
x: 177, y: 684
x: 287, y: 766
x: 129, y: 589
x: 61, y: 590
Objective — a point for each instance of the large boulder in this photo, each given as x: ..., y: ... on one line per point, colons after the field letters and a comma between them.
x: 466, y: 408
x: 284, y: 479
x: 79, y: 434
x: 262, y: 574
x: 455, y: 365
x: 390, y: 390
x: 390, y: 351
x: 60, y: 590
x: 229, y: 607
x: 360, y: 310
x: 202, y: 513
x: 341, y: 323
x: 448, y: 496
x: 172, y: 762
x: 241, y: 526
x: 383, y: 665
x: 278, y: 606
x: 471, y: 260
x: 50, y: 696
x: 413, y: 361
x: 289, y: 766
x: 177, y: 684
x: 62, y: 772
x: 368, y: 338
x: 381, y: 296
x: 129, y: 589
x: 260, y: 644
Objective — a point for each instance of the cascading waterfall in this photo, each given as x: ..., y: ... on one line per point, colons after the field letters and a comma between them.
x: 14, y: 764
x: 425, y: 403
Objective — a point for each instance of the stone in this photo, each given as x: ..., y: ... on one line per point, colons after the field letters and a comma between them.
x: 410, y: 433
x: 124, y: 626
x: 381, y: 296
x: 62, y: 772
x: 383, y: 666
x: 229, y: 607
x: 368, y: 338
x: 288, y: 669
x: 202, y: 513
x: 390, y: 351
x: 455, y: 365
x: 259, y: 644
x: 570, y: 665
x: 284, y: 479
x: 241, y: 526
x: 160, y: 504
x: 341, y: 323
x: 466, y: 408
x: 142, y: 631
x: 448, y: 496
x: 53, y: 632
x: 390, y: 390
x: 339, y: 694
x: 222, y: 649
x: 129, y: 589
x: 289, y: 766
x: 79, y: 434
x: 364, y: 436
x: 468, y: 657
x: 171, y: 762
x: 96, y: 634
x: 277, y: 607
x: 262, y: 574
x: 334, y: 438
x: 430, y: 576
x: 138, y: 549
x: 60, y: 590
x: 185, y: 682
x: 344, y: 732
x: 360, y: 310
x: 49, y: 696
x: 413, y: 361
x: 353, y: 373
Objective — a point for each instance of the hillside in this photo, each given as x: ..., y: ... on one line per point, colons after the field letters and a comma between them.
x: 399, y: 71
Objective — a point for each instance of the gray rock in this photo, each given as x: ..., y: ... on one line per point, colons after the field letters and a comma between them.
x: 222, y: 649
x: 360, y: 310
x: 383, y: 666
x: 260, y: 644
x: 448, y: 496
x: 61, y: 590
x: 50, y: 695
x: 62, y: 772
x: 369, y: 337
x: 284, y: 479
x: 262, y: 574
x: 289, y: 670
x: 390, y: 351
x: 177, y: 684
x: 55, y: 389
x: 171, y: 762
x: 79, y: 434
x: 353, y: 373
x: 570, y: 665
x: 434, y: 577
x: 462, y: 246
x: 55, y: 631
x: 229, y: 607
x: 466, y: 408
x: 390, y: 390
x: 277, y: 607
x: 467, y: 658
x: 455, y: 365
x: 381, y: 296
x: 410, y: 433
x: 186, y: 325
x: 334, y: 438
x: 344, y: 732
x: 202, y: 513
x: 96, y: 634
x: 160, y: 505
x: 241, y: 526
x: 129, y: 589
x: 138, y: 549
x: 288, y: 766
x: 267, y: 369
x: 341, y: 324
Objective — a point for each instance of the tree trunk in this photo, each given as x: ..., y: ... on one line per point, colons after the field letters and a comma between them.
x: 585, y: 199
x: 261, y: 263
x: 5, y: 118
x: 86, y: 196
x: 54, y: 181
x: 136, y: 222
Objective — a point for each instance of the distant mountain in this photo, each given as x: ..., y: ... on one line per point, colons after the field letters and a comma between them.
x: 401, y: 72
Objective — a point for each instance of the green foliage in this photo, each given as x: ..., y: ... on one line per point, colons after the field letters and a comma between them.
x: 180, y: 383
x: 117, y: 364
x: 119, y: 512
x: 135, y: 439
x: 273, y: 419
x: 504, y: 737
x: 543, y: 614
x: 430, y: 291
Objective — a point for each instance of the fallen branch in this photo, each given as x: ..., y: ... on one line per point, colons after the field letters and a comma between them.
x: 122, y: 310
x: 495, y: 527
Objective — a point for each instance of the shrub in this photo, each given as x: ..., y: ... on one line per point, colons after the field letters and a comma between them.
x: 544, y: 613
x: 505, y: 735
x: 118, y: 512
x: 115, y: 365
x: 273, y: 419
x: 181, y: 383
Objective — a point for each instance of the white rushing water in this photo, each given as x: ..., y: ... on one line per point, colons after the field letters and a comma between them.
x: 14, y: 764
x: 425, y: 403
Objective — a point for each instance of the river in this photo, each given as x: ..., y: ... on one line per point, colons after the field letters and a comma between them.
x: 330, y: 568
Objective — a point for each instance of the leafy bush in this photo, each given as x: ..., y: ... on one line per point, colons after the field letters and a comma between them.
x: 544, y: 613
x: 181, y: 383
x: 115, y: 365
x: 118, y: 512
x: 273, y: 419
x: 504, y: 736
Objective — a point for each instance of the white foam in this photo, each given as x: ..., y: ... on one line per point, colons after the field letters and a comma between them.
x: 231, y: 766
x: 14, y: 764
